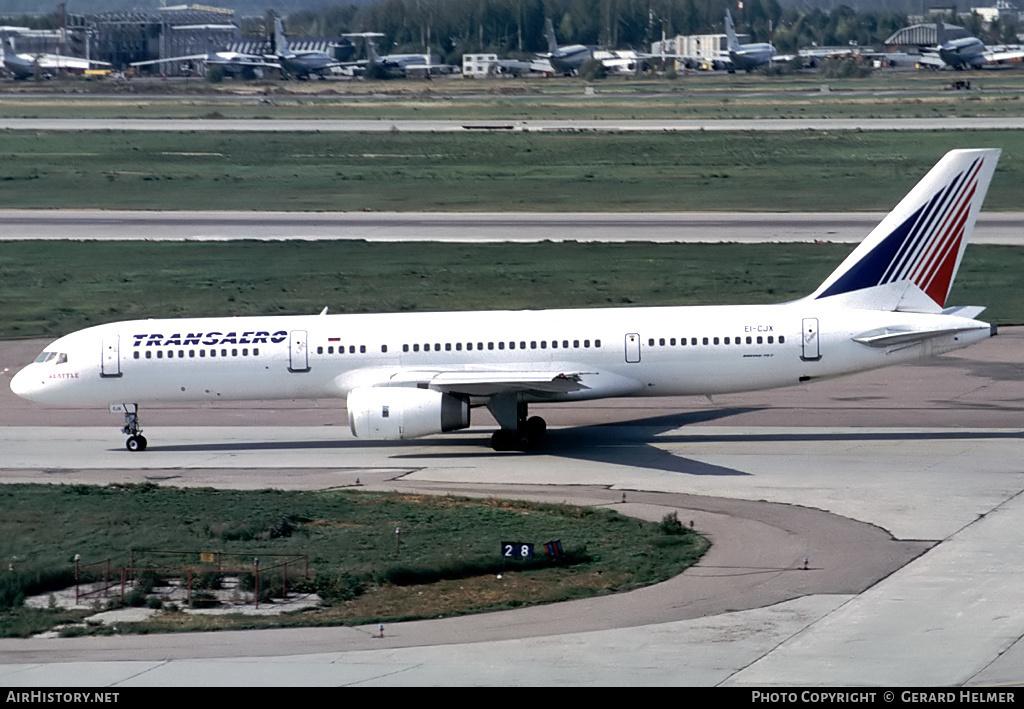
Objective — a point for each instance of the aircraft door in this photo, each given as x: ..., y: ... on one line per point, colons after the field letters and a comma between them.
x: 811, y: 347
x: 298, y: 352
x: 110, y: 358
x: 632, y: 348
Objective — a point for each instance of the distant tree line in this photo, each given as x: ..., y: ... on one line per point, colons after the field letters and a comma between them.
x: 510, y: 26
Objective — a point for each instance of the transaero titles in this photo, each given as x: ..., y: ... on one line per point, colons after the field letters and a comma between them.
x: 884, y: 697
x: 208, y: 338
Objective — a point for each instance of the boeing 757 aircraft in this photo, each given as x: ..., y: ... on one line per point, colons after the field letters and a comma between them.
x: 406, y: 375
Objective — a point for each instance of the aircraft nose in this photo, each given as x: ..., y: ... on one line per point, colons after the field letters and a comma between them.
x: 25, y: 383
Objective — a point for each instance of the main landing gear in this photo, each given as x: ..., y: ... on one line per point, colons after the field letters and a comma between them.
x: 519, y: 431
x: 136, y: 441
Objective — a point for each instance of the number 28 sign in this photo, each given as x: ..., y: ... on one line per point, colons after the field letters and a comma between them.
x: 517, y: 550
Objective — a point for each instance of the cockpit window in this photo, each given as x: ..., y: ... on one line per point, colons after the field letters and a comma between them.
x: 61, y: 357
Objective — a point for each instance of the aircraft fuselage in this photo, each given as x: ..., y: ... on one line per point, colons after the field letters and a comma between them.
x: 616, y: 352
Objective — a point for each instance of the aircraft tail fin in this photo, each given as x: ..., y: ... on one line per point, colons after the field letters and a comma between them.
x: 549, y: 32
x: 909, y: 261
x: 280, y: 42
x: 940, y: 32
x: 730, y: 33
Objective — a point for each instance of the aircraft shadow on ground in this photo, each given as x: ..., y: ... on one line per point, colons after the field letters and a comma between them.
x: 629, y: 443
x: 632, y: 443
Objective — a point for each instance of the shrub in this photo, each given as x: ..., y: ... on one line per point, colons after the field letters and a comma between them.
x: 334, y: 588
x: 16, y: 585
x: 592, y: 70
x: 207, y: 580
x: 204, y: 599
x: 670, y: 524
x: 845, y: 68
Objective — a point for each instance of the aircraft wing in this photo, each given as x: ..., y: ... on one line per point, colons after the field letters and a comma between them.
x: 486, y: 383
x: 491, y: 382
x: 232, y: 59
x: 1004, y: 55
x: 254, y: 63
x: 931, y: 60
x: 688, y: 59
x: 170, y: 60
x: 59, y: 61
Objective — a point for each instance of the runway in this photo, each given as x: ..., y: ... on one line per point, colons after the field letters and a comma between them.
x: 902, y: 487
x: 484, y: 227
x: 383, y: 125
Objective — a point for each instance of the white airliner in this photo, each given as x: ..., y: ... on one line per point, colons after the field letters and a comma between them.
x: 745, y: 56
x: 415, y: 374
x: 971, y: 52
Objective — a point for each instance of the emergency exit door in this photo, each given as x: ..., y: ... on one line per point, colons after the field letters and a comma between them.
x: 298, y: 351
x: 110, y: 358
x: 811, y: 341
x: 632, y: 348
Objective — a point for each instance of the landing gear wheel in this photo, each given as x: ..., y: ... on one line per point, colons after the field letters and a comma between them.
x: 527, y: 437
x: 504, y: 440
x: 535, y: 428
x: 136, y: 441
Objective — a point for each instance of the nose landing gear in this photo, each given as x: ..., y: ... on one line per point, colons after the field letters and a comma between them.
x: 136, y: 441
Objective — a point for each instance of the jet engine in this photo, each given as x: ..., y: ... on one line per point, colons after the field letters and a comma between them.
x: 394, y: 413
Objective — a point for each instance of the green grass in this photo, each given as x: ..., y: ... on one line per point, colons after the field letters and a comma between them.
x: 885, y: 95
x: 51, y: 288
x: 349, y: 538
x: 632, y: 172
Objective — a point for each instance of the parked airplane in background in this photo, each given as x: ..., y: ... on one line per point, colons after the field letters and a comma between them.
x: 971, y: 52
x: 569, y: 58
x: 565, y: 59
x: 518, y: 67
x: 27, y: 64
x: 745, y: 56
x: 408, y: 64
x: 232, y: 63
x: 300, y: 64
x: 406, y: 375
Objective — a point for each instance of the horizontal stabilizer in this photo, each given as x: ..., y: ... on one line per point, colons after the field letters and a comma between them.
x: 895, y: 336
x: 965, y: 311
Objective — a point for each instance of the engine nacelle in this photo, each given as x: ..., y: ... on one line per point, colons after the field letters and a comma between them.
x: 394, y: 413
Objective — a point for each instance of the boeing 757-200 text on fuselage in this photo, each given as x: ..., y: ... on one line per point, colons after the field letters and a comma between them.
x: 406, y: 375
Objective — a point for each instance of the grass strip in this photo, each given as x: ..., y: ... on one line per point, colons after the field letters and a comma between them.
x: 448, y: 563
x: 582, y: 171
x: 805, y: 95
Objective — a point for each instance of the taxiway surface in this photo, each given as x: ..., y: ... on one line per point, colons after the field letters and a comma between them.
x: 260, y: 125
x: 903, y: 487
x: 680, y: 227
